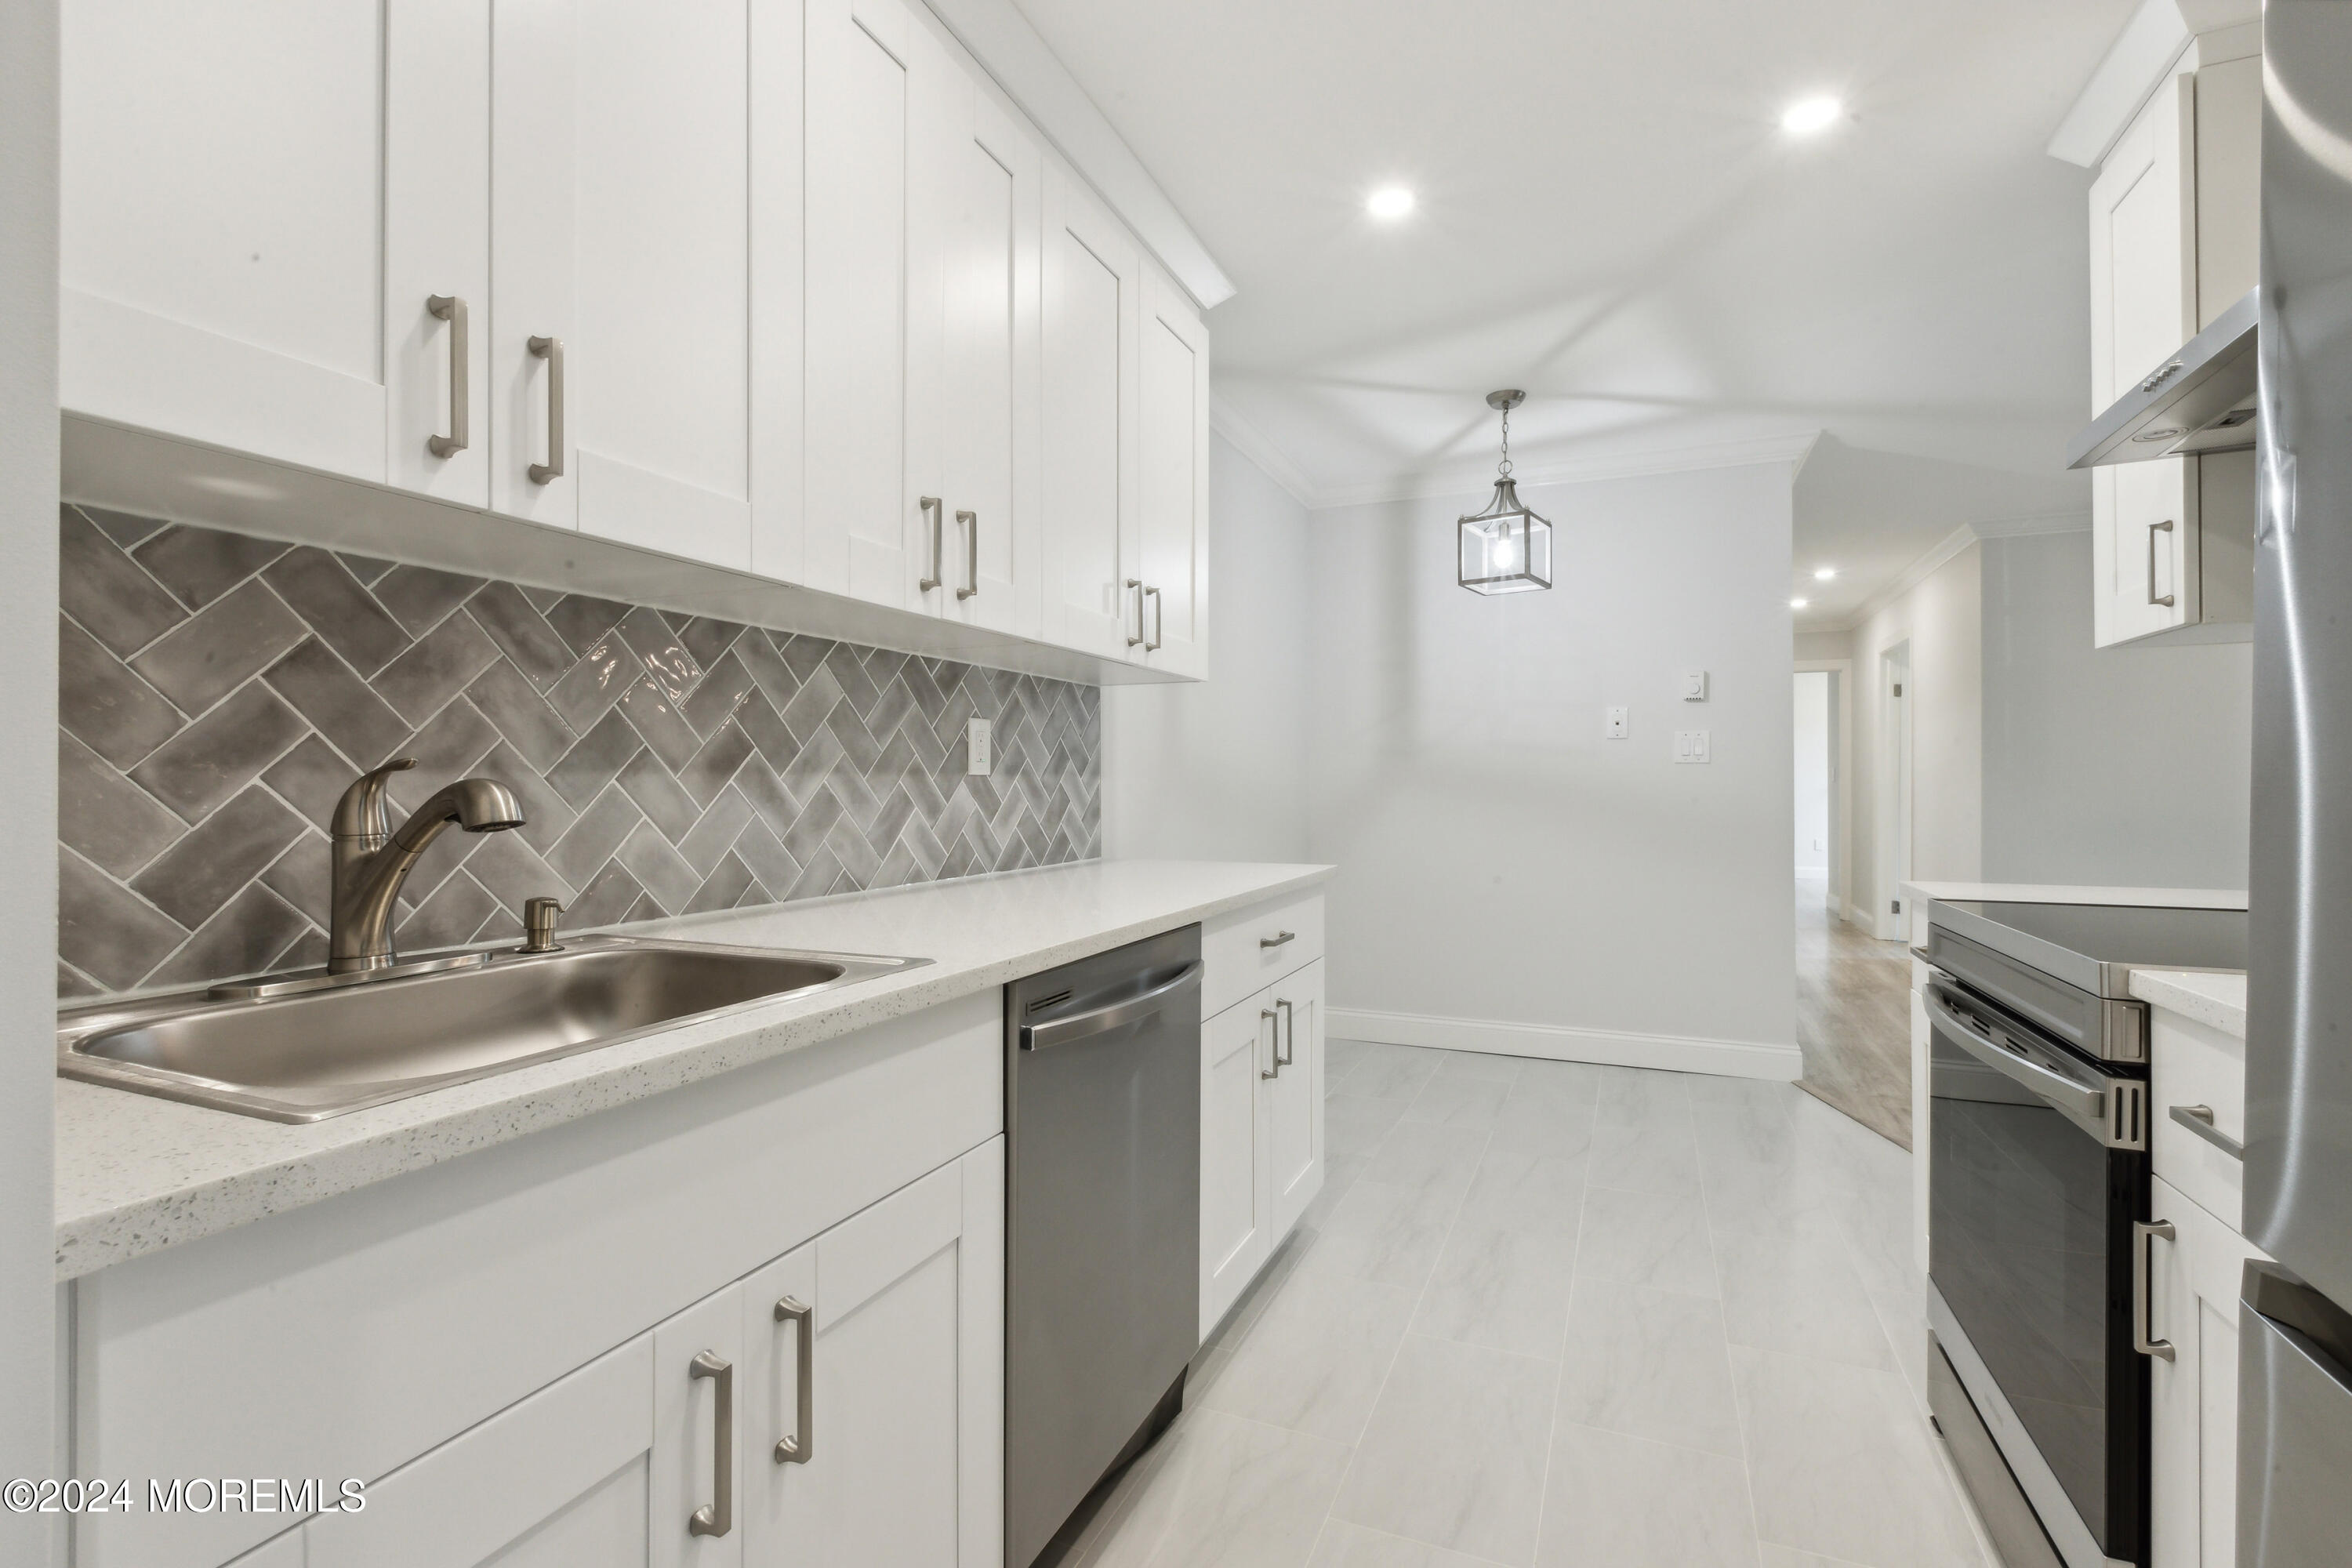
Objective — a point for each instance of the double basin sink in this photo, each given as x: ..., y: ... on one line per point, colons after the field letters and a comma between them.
x: 302, y: 1050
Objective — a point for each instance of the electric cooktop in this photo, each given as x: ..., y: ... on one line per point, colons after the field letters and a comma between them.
x: 2095, y: 947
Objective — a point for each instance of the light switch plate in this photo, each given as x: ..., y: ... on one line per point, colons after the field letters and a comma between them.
x: 1612, y: 723
x: 979, y: 748
x: 1690, y: 745
x: 1695, y: 686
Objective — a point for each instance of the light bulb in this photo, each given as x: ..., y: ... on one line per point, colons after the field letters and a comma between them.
x: 1799, y: 604
x: 1389, y: 202
x: 1808, y: 115
x: 1823, y: 573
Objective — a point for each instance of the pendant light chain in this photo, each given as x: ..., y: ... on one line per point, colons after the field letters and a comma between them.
x: 1507, y: 444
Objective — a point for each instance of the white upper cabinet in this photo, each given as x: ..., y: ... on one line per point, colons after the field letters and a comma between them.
x: 2143, y: 308
x: 785, y: 287
x: 1094, y: 305
x: 869, y: 69
x: 984, y: 182
x: 258, y: 200
x: 1171, y: 535
x: 2173, y: 244
x: 621, y: 346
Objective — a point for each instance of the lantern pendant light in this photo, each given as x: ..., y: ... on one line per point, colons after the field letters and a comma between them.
x: 1506, y: 549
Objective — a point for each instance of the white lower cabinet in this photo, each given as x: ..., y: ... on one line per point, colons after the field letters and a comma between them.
x: 2193, y: 1395
x: 693, y: 1446
x: 1261, y: 1131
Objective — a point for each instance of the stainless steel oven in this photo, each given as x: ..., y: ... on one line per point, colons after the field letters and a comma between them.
x: 2038, y: 1176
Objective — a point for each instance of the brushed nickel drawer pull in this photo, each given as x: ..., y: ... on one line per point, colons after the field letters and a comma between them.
x: 1137, y: 640
x: 552, y: 351
x: 717, y: 1517
x: 970, y: 521
x: 1286, y: 1056
x: 1275, y: 1070
x: 2199, y: 1118
x: 930, y: 505
x: 450, y: 308
x: 2153, y: 530
x: 1277, y: 939
x: 797, y: 1448
x: 2144, y: 1233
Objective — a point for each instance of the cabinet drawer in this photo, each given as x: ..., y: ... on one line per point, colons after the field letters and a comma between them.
x: 1234, y: 949
x: 2191, y: 1063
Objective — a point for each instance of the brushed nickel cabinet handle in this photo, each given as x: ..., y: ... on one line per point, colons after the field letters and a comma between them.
x: 717, y: 1517
x: 450, y: 308
x: 1277, y: 939
x: 552, y: 351
x: 2199, y: 1118
x: 1286, y: 1055
x: 969, y: 522
x: 930, y: 505
x: 2153, y: 530
x: 1158, y: 619
x: 1276, y: 1071
x: 2144, y: 1233
x: 1137, y: 640
x: 796, y: 1449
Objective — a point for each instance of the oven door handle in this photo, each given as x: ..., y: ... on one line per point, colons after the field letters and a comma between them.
x: 2085, y: 1104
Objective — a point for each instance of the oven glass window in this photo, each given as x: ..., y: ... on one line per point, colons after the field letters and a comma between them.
x: 2019, y: 1240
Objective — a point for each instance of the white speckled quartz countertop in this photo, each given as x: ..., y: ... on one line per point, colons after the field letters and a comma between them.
x: 2215, y: 997
x: 136, y: 1174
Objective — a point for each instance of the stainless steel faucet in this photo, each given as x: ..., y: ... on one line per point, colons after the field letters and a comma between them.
x: 372, y: 861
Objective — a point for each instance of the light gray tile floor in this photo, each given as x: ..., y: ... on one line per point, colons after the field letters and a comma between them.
x: 1551, y: 1315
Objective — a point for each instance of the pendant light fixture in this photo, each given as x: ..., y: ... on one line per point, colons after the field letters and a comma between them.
x: 1506, y: 549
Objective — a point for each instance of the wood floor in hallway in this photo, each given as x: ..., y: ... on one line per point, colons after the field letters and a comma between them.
x: 1854, y: 1016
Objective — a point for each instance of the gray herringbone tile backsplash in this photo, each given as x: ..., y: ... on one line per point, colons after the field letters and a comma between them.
x: 217, y: 692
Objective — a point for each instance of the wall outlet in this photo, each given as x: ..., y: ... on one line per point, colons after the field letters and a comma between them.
x: 1690, y: 745
x: 1695, y: 686
x: 979, y: 748
x: 1612, y: 724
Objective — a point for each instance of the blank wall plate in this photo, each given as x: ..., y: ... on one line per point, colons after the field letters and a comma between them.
x: 978, y: 747
x: 1612, y: 723
x: 1695, y: 686
x: 1690, y: 745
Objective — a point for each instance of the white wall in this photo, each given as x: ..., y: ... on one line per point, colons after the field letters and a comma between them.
x: 1216, y: 771
x: 1942, y: 619
x: 28, y: 643
x: 1812, y: 742
x: 2123, y: 766
x: 1498, y: 861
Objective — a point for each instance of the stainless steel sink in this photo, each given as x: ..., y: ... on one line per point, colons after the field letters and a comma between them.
x: 304, y: 1054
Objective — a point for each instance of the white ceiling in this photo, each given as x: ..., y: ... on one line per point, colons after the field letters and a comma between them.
x: 1611, y: 218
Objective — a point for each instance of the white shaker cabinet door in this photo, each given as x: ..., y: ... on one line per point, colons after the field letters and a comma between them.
x: 2143, y: 308
x: 1237, y: 1051
x: 989, y: 179
x: 899, y: 1452
x: 1093, y: 317
x: 258, y: 204
x: 867, y: 65
x: 1294, y: 1097
x: 1174, y: 528
x: 560, y: 1480
x: 620, y: 354
x: 2193, y: 1395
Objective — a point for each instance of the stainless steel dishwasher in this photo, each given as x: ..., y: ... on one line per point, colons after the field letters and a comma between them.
x: 1102, y: 1103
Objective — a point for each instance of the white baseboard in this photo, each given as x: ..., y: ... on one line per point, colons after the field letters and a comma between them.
x: 1674, y: 1053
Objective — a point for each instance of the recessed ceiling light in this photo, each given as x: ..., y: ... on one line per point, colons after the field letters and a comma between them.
x: 1798, y: 604
x: 1823, y: 573
x: 1808, y: 115
x: 1389, y: 202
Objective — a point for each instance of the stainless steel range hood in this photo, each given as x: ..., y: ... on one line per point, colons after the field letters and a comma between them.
x: 2200, y: 400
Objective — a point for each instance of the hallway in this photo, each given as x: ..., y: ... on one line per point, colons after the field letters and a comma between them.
x: 1854, y: 1016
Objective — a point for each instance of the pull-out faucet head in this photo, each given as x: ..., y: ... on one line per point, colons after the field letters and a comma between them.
x: 372, y: 861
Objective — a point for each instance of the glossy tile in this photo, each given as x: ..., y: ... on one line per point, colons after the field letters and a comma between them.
x: 1229, y: 1493
x: 1843, y: 1464
x: 1539, y: 1194
x: 1315, y: 1357
x: 1459, y: 1099
x: 1504, y: 1289
x: 1456, y: 1451
x: 1614, y: 1501
x: 1353, y: 1546
x: 1649, y: 1364
x: 1655, y: 1239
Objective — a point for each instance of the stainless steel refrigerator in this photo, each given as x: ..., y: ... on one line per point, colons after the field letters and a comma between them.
x: 2295, y: 1471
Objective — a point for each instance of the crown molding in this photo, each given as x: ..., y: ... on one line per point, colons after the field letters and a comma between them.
x: 1270, y: 461
x: 1009, y: 49
x: 1951, y: 544
x: 1792, y: 449
x: 2139, y: 59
